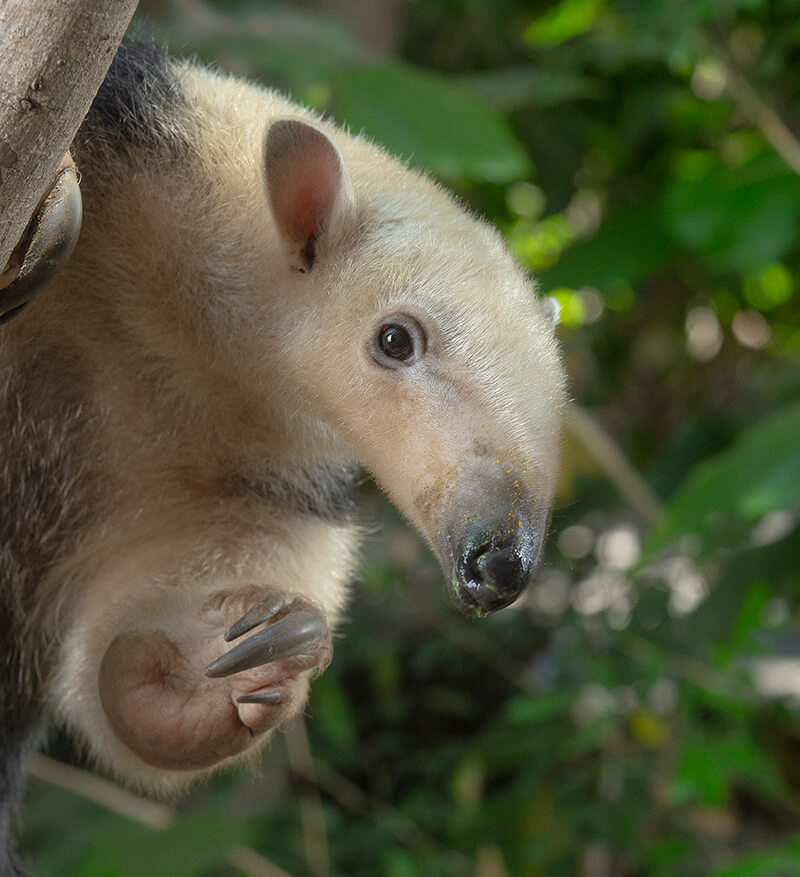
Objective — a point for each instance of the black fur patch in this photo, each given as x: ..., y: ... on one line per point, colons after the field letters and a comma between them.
x: 140, y: 102
x: 324, y: 491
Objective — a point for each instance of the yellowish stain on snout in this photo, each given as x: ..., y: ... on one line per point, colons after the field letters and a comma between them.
x: 491, y: 485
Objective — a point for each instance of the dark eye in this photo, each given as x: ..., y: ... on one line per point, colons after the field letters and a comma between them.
x: 396, y: 342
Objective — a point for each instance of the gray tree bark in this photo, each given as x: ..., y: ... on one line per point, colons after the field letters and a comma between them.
x: 53, y: 57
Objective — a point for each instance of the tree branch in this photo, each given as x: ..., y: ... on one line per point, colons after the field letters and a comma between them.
x: 53, y: 57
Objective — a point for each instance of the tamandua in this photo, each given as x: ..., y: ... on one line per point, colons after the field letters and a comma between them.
x: 258, y: 303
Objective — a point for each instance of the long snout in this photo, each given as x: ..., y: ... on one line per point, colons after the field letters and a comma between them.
x: 485, y: 514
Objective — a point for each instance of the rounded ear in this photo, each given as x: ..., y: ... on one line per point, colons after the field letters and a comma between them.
x: 307, y: 183
x: 552, y: 309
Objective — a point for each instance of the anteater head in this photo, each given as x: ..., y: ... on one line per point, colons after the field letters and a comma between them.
x: 427, y: 348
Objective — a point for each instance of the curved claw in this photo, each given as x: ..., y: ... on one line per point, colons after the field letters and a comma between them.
x: 53, y: 233
x: 261, y: 612
x: 271, y: 696
x: 295, y: 633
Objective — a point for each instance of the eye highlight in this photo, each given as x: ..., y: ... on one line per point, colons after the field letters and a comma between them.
x: 398, y: 341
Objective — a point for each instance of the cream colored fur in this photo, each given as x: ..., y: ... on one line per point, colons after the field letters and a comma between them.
x: 204, y: 355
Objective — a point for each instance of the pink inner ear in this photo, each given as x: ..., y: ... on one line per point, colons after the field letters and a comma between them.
x: 311, y: 209
x: 314, y: 197
x: 304, y: 174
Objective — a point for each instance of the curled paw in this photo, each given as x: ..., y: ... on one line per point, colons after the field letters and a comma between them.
x: 173, y: 714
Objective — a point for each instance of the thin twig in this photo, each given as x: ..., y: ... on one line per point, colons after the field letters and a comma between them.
x: 312, y: 815
x: 694, y: 671
x: 100, y: 791
x: 254, y: 864
x: 754, y: 106
x: 764, y: 117
x: 613, y: 463
x: 152, y: 814
x: 405, y: 830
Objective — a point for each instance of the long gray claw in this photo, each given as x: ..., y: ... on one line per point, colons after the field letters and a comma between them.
x: 261, y: 612
x: 295, y: 633
x: 53, y: 234
x: 270, y: 696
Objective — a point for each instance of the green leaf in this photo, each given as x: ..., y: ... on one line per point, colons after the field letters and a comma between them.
x: 400, y: 863
x: 533, y: 710
x: 514, y: 87
x: 430, y: 120
x: 195, y: 844
x: 566, y: 20
x: 736, y: 218
x: 86, y: 840
x: 629, y: 246
x: 782, y: 861
x: 739, y: 218
x: 296, y: 49
x: 759, y: 474
x: 332, y: 712
x: 710, y: 765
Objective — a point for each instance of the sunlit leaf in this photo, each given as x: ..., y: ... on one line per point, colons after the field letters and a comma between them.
x: 565, y: 20
x: 629, y: 246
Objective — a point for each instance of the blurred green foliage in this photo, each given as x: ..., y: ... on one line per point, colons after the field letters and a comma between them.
x: 638, y: 713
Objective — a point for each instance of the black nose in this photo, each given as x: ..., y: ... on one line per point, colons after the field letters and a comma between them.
x: 491, y: 575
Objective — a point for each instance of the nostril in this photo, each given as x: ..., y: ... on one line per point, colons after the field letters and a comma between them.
x: 498, y: 575
x: 492, y: 565
x: 503, y: 568
x: 492, y: 575
x: 476, y: 562
x: 497, y: 567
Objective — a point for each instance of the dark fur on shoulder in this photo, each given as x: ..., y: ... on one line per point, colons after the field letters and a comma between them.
x: 324, y: 491
x: 138, y: 103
